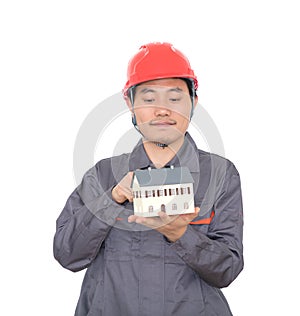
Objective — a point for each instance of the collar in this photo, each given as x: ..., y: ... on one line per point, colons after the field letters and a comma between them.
x: 187, y: 156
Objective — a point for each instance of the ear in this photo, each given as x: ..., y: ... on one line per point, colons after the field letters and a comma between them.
x: 195, y: 101
x: 128, y: 102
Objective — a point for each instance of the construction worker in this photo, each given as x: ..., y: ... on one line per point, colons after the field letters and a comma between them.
x: 163, y: 265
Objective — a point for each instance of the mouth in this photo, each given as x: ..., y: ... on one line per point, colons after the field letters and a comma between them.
x: 162, y: 122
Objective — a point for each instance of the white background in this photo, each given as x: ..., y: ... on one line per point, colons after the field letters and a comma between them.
x: 59, y: 59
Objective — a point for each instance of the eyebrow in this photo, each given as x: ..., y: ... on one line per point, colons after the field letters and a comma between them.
x: 177, y: 89
x: 146, y: 90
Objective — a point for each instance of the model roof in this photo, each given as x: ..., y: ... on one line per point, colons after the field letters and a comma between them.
x: 163, y: 176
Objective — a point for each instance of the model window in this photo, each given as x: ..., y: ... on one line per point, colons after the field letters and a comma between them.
x: 153, y: 193
x: 171, y: 192
x: 166, y: 192
x: 189, y: 190
x: 186, y: 205
x: 183, y: 190
x: 148, y: 193
x: 177, y: 191
x: 150, y: 209
x: 163, y: 208
x: 160, y: 192
x: 174, y: 207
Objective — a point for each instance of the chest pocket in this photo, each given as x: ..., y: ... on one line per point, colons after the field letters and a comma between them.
x: 125, y: 245
x: 117, y: 245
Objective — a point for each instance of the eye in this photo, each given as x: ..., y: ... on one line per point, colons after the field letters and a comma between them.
x: 149, y: 100
x: 175, y: 99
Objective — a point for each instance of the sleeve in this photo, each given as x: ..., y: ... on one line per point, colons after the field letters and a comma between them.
x: 84, y: 222
x: 217, y: 256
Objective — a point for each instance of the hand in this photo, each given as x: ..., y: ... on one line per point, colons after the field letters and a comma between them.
x: 122, y: 191
x: 171, y: 226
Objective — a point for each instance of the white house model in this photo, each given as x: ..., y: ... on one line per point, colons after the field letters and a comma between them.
x: 167, y: 189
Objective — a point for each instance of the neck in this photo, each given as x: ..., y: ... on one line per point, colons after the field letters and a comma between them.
x: 160, y: 156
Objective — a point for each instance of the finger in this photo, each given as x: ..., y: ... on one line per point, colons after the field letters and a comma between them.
x: 132, y: 218
x: 125, y: 190
x: 139, y: 220
x: 126, y: 181
x: 151, y: 222
x: 191, y: 216
x: 126, y: 193
x: 130, y: 199
x: 165, y: 218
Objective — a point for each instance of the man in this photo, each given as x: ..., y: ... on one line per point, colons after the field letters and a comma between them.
x: 164, y: 265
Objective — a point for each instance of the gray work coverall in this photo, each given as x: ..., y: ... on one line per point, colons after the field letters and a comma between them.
x: 135, y: 271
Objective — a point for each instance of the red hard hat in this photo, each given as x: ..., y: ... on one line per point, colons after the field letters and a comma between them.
x: 158, y: 61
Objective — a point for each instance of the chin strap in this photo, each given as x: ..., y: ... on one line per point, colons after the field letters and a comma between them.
x: 161, y: 145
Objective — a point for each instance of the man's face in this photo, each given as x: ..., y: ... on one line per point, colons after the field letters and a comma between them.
x: 162, y: 109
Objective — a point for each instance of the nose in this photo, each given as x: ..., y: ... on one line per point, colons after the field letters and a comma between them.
x: 162, y: 111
